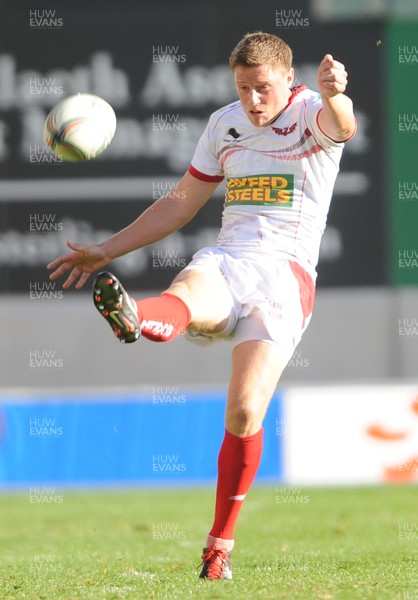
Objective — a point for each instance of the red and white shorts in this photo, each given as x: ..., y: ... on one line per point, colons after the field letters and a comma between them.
x: 270, y: 300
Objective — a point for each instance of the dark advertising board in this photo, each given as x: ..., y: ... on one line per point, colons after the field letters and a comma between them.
x: 164, y: 69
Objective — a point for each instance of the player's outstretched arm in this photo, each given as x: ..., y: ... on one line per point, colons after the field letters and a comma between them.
x: 163, y: 217
x: 337, y: 118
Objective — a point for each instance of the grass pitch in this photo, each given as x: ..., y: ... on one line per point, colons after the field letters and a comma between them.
x: 347, y: 543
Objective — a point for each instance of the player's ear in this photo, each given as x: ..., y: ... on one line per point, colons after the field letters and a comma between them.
x: 290, y: 76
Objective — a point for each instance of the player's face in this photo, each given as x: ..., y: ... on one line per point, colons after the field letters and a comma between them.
x: 263, y: 91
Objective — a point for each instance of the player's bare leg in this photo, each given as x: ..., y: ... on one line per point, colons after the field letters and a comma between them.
x: 256, y: 369
x: 207, y: 296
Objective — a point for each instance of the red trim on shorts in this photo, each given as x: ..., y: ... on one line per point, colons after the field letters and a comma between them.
x: 306, y: 289
x: 330, y: 138
x: 204, y: 177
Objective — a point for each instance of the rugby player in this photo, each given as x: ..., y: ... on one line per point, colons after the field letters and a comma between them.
x: 279, y: 149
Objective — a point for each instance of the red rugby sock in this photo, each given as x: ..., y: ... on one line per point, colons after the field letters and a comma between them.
x: 163, y: 318
x: 238, y: 462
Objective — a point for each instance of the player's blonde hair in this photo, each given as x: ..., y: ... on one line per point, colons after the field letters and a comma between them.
x: 259, y: 48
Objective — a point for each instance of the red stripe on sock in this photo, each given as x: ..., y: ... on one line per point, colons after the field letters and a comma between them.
x: 238, y: 462
x: 163, y: 318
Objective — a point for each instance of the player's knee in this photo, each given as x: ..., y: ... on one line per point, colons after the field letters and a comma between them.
x: 243, y: 420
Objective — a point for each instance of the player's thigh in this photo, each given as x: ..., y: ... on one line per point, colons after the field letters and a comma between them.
x: 256, y: 369
x: 207, y: 295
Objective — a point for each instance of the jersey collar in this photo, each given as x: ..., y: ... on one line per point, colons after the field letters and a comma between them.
x: 297, y: 89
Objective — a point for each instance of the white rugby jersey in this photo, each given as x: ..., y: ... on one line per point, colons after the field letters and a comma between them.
x: 280, y: 178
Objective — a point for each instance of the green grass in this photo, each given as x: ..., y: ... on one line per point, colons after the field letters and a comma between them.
x: 314, y: 543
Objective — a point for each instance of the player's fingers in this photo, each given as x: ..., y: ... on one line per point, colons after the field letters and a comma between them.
x: 335, y: 75
x: 60, y: 270
x: 335, y: 88
x: 341, y: 80
x: 66, y: 261
x: 55, y: 263
x: 83, y: 278
x: 327, y: 59
x: 326, y: 63
x: 334, y: 68
x: 71, y: 278
x: 337, y: 65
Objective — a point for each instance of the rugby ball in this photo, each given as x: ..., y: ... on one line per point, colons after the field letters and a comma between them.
x: 80, y: 127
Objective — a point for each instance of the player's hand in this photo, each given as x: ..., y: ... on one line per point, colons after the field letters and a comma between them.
x: 332, y: 77
x: 84, y: 260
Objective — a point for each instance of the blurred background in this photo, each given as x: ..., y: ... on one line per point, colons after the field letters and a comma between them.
x: 78, y: 408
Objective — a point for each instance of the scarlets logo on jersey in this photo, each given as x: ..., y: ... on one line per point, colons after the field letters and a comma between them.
x: 260, y: 189
x: 284, y: 130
